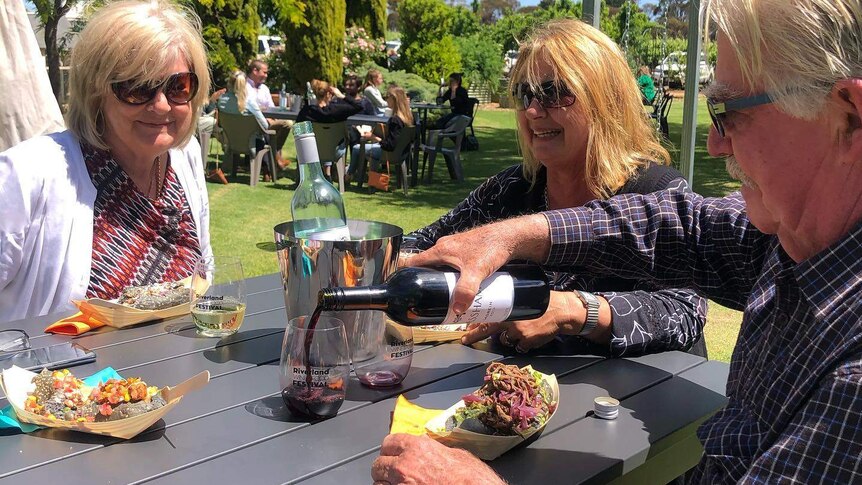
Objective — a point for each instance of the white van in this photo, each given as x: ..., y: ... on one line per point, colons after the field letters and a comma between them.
x: 267, y: 43
x: 673, y: 69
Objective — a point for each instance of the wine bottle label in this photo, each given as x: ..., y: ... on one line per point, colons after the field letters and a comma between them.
x: 341, y: 233
x: 320, y: 376
x: 492, y: 304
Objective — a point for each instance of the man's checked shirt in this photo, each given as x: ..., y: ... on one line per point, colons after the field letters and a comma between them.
x: 795, y: 386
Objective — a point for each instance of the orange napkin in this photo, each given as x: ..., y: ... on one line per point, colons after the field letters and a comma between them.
x: 410, y: 418
x: 75, y: 325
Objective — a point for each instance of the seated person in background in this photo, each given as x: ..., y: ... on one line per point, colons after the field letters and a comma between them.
x: 583, y: 137
x: 646, y: 85
x: 257, y: 90
x: 458, y: 99
x: 324, y: 110
x: 351, y: 90
x: 230, y: 102
x: 207, y: 121
x: 371, y: 90
x: 118, y: 199
x: 398, y: 102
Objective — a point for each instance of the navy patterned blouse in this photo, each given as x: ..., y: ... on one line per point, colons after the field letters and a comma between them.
x: 646, y: 319
x: 795, y: 385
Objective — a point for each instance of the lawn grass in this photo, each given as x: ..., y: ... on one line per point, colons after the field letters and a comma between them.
x: 242, y: 217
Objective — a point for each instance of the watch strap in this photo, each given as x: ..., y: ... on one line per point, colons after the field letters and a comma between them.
x: 591, y: 303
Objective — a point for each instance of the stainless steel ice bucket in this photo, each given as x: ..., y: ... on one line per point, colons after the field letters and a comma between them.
x: 308, y: 265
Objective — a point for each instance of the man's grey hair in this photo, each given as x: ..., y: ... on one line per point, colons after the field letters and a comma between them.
x: 797, y: 49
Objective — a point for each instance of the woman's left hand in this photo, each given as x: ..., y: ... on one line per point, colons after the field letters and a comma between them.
x: 565, y: 314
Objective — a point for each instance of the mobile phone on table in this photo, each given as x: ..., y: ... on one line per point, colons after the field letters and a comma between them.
x: 52, y: 357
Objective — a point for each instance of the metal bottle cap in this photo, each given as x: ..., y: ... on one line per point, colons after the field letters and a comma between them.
x: 606, y: 407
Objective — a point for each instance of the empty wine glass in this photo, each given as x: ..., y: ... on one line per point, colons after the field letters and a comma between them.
x: 218, y: 296
x: 314, y: 367
x: 391, y: 360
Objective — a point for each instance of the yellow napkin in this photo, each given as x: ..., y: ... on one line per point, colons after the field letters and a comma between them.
x: 410, y: 418
x: 75, y: 325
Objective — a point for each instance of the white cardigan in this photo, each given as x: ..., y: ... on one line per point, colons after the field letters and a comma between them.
x: 46, y: 221
x: 373, y: 95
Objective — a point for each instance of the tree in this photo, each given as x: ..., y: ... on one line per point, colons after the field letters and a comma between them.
x: 50, y: 12
x: 481, y: 60
x: 636, y: 34
x: 492, y: 10
x: 392, y: 20
x: 282, y: 11
x: 368, y: 14
x: 316, y: 53
x: 464, y: 23
x: 513, y: 28
x: 673, y: 13
x: 428, y: 47
x: 230, y: 29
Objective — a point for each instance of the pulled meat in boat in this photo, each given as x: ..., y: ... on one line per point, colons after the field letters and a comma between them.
x: 513, y: 401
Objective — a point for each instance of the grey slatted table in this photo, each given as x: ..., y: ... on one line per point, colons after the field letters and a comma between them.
x: 237, y: 430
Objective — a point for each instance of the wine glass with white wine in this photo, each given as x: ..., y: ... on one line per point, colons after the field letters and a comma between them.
x: 218, y: 295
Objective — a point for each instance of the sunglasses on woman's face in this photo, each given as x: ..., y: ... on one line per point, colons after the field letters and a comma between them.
x: 549, y: 95
x: 179, y: 88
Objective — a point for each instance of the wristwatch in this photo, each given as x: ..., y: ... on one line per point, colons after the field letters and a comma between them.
x: 591, y: 303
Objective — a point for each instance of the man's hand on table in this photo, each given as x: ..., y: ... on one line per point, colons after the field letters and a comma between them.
x: 479, y: 252
x: 420, y: 460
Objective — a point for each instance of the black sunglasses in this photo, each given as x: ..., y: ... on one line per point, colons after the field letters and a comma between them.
x: 718, y: 110
x: 179, y: 88
x: 549, y: 95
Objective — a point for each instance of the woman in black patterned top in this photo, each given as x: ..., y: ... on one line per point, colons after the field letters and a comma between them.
x: 584, y: 136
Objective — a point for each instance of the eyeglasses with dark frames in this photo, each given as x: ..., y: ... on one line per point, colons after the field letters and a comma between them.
x: 718, y: 110
x: 549, y: 95
x: 14, y: 340
x: 179, y: 88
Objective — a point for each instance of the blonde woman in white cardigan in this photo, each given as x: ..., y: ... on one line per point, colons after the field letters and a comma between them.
x: 119, y: 199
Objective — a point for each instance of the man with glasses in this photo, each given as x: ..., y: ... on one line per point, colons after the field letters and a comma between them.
x: 787, y: 115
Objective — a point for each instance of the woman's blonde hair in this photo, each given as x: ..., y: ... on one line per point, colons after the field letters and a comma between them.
x: 370, y: 77
x: 592, y: 67
x: 237, y: 84
x: 319, y: 88
x: 798, y: 49
x: 128, y: 40
x: 401, y: 104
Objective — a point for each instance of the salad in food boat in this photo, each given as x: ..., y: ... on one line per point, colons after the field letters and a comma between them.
x: 513, y: 405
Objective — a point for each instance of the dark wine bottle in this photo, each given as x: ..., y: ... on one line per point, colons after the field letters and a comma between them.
x: 420, y: 296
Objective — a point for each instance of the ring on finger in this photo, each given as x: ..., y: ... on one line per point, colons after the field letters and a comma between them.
x: 504, y: 339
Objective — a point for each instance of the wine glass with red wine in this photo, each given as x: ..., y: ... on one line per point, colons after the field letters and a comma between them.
x: 314, y: 367
x: 391, y: 359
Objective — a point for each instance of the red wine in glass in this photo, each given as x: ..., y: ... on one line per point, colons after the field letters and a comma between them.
x: 317, y: 394
x: 316, y: 403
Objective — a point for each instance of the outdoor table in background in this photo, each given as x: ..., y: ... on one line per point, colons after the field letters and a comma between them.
x: 237, y: 429
x: 359, y: 119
